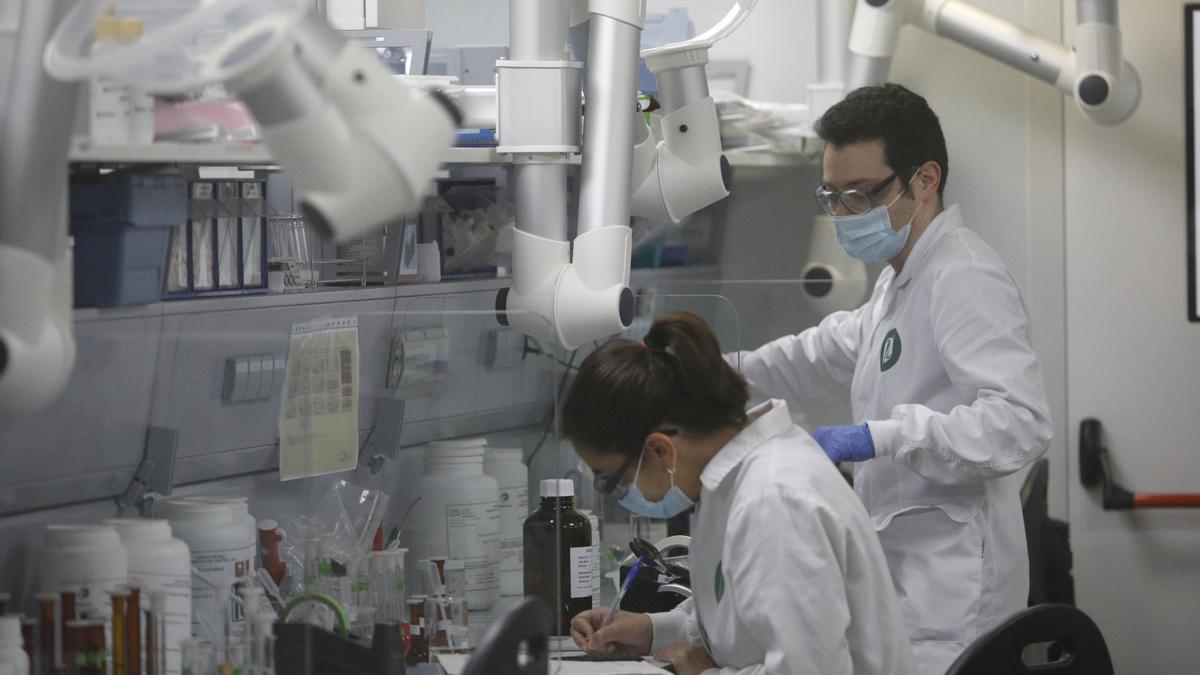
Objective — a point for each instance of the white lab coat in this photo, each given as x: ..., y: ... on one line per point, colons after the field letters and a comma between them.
x: 940, y: 366
x: 787, y: 574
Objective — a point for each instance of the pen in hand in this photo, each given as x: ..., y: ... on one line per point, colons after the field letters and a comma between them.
x: 633, y: 571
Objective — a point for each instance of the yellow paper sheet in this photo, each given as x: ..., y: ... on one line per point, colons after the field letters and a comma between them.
x: 318, y: 420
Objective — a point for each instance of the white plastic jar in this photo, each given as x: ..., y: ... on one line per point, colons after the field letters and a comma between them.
x: 158, y: 562
x: 506, y: 465
x: 217, y: 543
x: 87, y: 560
x: 457, y: 515
x: 241, y: 513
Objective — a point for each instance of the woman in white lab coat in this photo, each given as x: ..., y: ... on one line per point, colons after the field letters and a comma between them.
x: 787, y: 573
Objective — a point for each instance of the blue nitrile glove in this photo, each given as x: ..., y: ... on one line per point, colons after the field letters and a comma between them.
x: 846, y: 444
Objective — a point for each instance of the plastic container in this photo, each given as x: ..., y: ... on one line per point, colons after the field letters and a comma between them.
x: 140, y: 103
x: 12, y: 651
x: 558, y: 554
x: 224, y: 38
x: 87, y: 560
x: 159, y: 562
x: 108, y: 97
x: 122, y: 228
x: 511, y: 474
x: 457, y: 515
x: 218, y: 547
x: 241, y: 513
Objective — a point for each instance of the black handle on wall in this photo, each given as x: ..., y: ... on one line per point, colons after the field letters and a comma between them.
x: 1094, y: 470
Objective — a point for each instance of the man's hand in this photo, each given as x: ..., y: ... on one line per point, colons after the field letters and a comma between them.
x: 846, y: 444
x: 687, y: 659
x: 629, y: 632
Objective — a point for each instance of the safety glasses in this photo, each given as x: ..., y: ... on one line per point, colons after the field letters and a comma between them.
x: 616, y: 484
x: 855, y: 201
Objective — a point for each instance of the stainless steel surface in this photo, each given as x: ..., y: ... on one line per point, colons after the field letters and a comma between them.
x: 608, y: 126
x: 1096, y: 11
x: 862, y: 71
x: 1004, y: 41
x: 682, y: 87
x: 542, y: 199
x: 833, y: 20
x: 35, y: 133
x: 537, y: 30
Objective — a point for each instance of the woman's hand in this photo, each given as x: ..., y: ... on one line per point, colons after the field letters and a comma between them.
x: 687, y: 659
x: 629, y: 632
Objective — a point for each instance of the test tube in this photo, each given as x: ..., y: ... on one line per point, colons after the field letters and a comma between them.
x: 418, y: 651
x: 151, y: 643
x: 66, y: 615
x: 50, y: 644
x: 120, y: 626
x: 265, y: 643
x: 158, y: 605
x: 133, y: 632
x: 86, y: 648
x: 189, y: 656
x: 5, y: 598
x: 30, y: 639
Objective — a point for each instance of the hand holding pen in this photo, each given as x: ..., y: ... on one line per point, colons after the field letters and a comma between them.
x: 609, y: 631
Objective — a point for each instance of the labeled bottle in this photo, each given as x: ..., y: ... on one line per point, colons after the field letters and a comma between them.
x: 141, y: 103
x: 108, y: 113
x: 558, y: 554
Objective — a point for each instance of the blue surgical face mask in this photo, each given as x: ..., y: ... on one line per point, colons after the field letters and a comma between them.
x: 672, y: 504
x: 869, y: 236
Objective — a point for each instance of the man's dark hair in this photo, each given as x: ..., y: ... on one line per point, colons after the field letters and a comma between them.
x: 903, y: 120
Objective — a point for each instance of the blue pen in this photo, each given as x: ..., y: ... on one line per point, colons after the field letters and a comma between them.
x: 633, y: 571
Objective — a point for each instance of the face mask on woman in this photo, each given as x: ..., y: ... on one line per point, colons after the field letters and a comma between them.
x: 672, y: 504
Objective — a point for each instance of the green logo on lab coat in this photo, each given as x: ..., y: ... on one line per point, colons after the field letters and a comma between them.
x: 719, y: 583
x: 889, y: 354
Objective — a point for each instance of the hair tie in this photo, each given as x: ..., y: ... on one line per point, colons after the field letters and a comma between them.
x: 653, y: 349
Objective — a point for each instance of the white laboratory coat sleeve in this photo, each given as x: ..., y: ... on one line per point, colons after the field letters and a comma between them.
x: 788, y: 582
x: 817, y: 364
x: 677, y: 625
x: 982, y: 336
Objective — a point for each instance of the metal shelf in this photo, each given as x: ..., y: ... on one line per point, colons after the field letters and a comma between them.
x: 251, y: 154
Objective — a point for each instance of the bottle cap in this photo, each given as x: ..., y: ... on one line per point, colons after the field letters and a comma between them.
x: 558, y: 487
x: 130, y: 30
x: 107, y: 27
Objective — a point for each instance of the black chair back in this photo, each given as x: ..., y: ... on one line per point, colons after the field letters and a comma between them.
x: 1078, y: 647
x: 497, y: 653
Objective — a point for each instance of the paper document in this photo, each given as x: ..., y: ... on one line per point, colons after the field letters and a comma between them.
x: 453, y: 664
x: 318, y: 421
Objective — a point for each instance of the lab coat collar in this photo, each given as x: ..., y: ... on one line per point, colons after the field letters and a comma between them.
x: 945, y: 223
x: 774, y: 420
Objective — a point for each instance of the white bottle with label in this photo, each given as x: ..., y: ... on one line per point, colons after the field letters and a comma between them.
x: 108, y: 102
x: 12, y: 652
x: 457, y: 515
x: 87, y: 560
x: 511, y: 474
x: 217, y: 544
x: 241, y: 514
x: 595, y: 523
x: 140, y: 102
x: 160, y: 563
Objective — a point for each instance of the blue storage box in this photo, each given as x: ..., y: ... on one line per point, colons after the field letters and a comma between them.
x: 121, y: 225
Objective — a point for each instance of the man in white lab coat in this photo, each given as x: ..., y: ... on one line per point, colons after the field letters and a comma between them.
x: 945, y: 387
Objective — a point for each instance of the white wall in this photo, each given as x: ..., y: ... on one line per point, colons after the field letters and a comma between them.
x: 467, y: 22
x: 1132, y: 356
x: 779, y: 40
